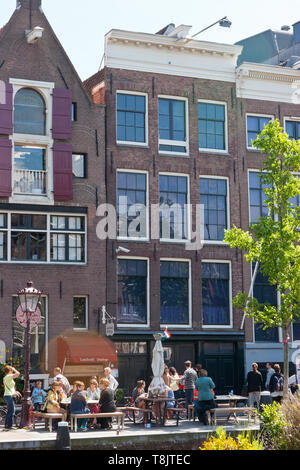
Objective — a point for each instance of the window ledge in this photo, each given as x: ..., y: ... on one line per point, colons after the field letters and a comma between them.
x: 215, y: 152
x: 171, y: 154
x: 132, y: 144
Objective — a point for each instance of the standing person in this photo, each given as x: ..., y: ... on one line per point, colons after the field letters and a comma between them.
x: 198, y: 367
x: 276, y: 384
x: 106, y: 404
x: 113, y: 383
x: 188, y: 380
x: 38, y: 396
x: 204, y: 385
x: 255, y: 384
x: 79, y: 405
x: 270, y: 372
x: 58, y: 376
x: 166, y: 376
x: 174, y: 385
x: 9, y: 391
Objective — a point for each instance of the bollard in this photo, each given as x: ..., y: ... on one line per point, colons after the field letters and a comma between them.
x: 63, y: 441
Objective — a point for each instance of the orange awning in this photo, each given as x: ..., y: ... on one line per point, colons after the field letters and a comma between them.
x: 85, y: 348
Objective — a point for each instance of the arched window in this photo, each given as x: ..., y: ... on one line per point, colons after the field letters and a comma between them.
x: 29, y: 112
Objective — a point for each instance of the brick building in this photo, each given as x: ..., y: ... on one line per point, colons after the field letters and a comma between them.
x: 180, y: 116
x: 52, y: 171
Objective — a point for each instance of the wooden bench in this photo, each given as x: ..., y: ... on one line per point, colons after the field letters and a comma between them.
x: 177, y: 412
x: 227, y: 413
x: 116, y: 414
x: 133, y: 409
x: 47, y: 416
x: 191, y: 412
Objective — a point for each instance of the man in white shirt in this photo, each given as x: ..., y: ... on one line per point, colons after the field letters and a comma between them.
x: 270, y: 372
x: 113, y: 383
x: 61, y: 378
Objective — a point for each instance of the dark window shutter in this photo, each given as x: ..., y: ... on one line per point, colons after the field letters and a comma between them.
x: 62, y: 172
x: 5, y: 167
x: 6, y: 109
x: 62, y: 114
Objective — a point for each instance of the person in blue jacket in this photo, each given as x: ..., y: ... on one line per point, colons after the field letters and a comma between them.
x: 38, y: 396
x: 204, y: 385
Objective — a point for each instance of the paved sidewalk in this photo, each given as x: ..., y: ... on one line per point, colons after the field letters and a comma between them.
x: 188, y: 434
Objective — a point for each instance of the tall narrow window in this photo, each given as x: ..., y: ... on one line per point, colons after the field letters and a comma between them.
x: 30, y: 170
x: 212, y: 126
x: 265, y: 294
x: 216, y: 294
x: 174, y: 292
x: 132, y: 291
x: 3, y: 237
x: 29, y: 114
x: 173, y: 198
x: 213, y: 195
x: 131, y: 204
x: 258, y: 206
x: 172, y: 125
x: 131, y: 118
x: 255, y: 124
x: 80, y: 312
x: 293, y: 129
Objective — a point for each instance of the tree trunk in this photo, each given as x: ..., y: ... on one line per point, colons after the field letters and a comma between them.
x: 285, y: 361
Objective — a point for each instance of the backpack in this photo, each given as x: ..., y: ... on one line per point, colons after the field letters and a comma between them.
x: 278, y: 384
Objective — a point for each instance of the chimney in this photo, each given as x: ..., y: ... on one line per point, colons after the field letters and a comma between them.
x: 296, y: 27
x: 29, y: 4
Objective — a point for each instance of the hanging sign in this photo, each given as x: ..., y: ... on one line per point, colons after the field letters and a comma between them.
x: 110, y: 328
x: 22, y: 317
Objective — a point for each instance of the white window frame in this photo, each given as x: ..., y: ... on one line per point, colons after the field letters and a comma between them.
x: 136, y: 325
x: 209, y: 150
x: 45, y: 89
x: 177, y: 143
x: 270, y: 116
x: 141, y: 172
x: 188, y: 215
x: 86, y: 297
x: 290, y: 118
x: 218, y: 242
x: 190, y: 306
x: 133, y: 143
x: 48, y: 231
x: 230, y: 326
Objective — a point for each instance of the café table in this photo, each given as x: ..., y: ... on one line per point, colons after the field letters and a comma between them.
x: 231, y: 399
x: 158, y: 400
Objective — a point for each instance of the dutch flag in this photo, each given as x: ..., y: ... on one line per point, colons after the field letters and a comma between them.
x: 166, y: 334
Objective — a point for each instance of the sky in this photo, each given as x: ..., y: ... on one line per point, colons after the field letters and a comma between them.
x: 81, y: 24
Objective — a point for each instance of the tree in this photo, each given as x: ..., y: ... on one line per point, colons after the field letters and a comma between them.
x: 274, y: 240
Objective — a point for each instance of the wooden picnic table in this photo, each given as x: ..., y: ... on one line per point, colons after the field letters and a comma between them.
x: 159, y: 400
x: 231, y: 399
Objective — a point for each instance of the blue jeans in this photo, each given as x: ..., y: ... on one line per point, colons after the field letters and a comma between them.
x: 10, y: 411
x: 82, y: 421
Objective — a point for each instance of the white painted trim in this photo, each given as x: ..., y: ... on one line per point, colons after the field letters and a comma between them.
x: 218, y: 242
x: 179, y: 143
x: 134, y: 325
x: 190, y: 303
x: 209, y: 150
x: 138, y: 144
x: 230, y: 326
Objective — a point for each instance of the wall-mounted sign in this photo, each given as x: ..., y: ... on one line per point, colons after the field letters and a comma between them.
x: 110, y: 328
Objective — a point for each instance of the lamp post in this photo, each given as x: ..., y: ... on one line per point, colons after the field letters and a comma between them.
x: 29, y: 299
x: 224, y: 22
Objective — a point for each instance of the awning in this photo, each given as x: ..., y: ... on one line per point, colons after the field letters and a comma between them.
x: 85, y: 348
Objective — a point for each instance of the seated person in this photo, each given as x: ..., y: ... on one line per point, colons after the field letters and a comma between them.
x: 106, y: 404
x: 137, y: 392
x: 53, y: 401
x: 38, y: 396
x: 79, y: 405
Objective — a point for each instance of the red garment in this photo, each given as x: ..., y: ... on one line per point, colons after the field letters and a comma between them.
x: 94, y: 408
x: 181, y: 386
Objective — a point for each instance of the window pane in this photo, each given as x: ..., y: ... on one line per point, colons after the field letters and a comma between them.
x: 80, y: 312
x: 78, y: 165
x: 132, y: 291
x: 132, y: 187
x: 174, y: 293
x: 29, y: 112
x: 215, y: 294
x: 131, y: 114
x: 211, y: 126
x: 27, y: 158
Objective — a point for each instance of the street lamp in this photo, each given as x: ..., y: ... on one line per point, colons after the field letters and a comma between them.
x: 29, y: 299
x: 224, y: 22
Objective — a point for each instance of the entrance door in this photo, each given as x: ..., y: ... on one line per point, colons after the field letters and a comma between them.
x: 131, y: 368
x: 177, y: 353
x: 219, y: 361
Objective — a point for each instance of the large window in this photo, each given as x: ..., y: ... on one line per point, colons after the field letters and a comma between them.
x: 132, y: 291
x: 212, y: 126
x: 30, y: 170
x: 80, y: 312
x: 258, y: 206
x: 173, y: 135
x: 213, y: 195
x: 174, y: 292
x: 293, y: 129
x: 42, y: 238
x: 255, y: 124
x: 131, y: 118
x: 37, y: 338
x: 216, y: 294
x: 173, y: 198
x: 131, y: 205
x: 29, y: 112
x: 265, y: 294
